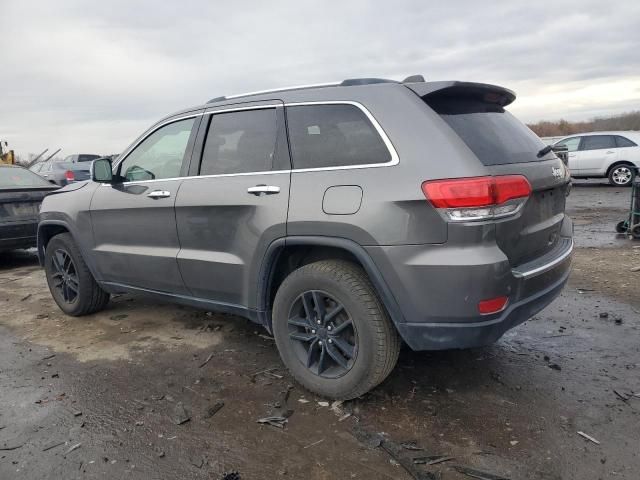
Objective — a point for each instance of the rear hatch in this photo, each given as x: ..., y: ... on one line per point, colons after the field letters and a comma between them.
x: 506, y: 147
x: 21, y: 193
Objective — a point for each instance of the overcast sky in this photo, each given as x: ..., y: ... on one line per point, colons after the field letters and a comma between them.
x: 89, y: 77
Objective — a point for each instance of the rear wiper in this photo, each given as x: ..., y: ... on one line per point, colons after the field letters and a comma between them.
x: 544, y: 151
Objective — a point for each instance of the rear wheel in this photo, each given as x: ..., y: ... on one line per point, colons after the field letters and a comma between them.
x: 71, y: 284
x: 621, y: 175
x: 332, y: 331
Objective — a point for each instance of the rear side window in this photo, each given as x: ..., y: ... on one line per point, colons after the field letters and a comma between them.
x: 624, y: 142
x: 240, y: 142
x: 494, y: 135
x: 597, y: 142
x: 87, y: 158
x: 332, y: 136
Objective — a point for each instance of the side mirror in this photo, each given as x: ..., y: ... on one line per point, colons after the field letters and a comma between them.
x: 101, y: 170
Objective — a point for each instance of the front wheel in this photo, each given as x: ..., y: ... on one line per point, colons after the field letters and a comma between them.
x: 621, y: 176
x: 332, y: 332
x: 70, y: 282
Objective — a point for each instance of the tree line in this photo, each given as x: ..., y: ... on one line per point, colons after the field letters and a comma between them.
x: 624, y: 121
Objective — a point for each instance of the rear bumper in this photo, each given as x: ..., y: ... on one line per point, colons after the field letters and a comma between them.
x: 18, y: 235
x: 438, y: 288
x: 476, y: 333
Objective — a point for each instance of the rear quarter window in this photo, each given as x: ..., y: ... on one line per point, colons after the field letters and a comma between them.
x: 494, y: 135
x: 333, y: 136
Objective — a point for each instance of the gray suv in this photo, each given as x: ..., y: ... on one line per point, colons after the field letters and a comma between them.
x: 343, y: 218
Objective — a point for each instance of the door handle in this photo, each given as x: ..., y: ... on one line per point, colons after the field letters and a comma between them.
x: 263, y: 190
x: 159, y: 194
x: 610, y: 151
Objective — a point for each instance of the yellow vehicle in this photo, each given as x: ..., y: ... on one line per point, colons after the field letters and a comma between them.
x: 6, y: 156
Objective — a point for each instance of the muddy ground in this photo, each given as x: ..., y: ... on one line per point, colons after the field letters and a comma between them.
x: 113, y: 384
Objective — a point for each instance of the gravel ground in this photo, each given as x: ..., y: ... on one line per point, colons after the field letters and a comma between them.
x: 102, y: 396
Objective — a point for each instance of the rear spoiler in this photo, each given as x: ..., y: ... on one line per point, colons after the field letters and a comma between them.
x: 480, y: 91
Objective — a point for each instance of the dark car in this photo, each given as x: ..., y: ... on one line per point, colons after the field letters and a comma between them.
x: 21, y: 193
x: 72, y: 168
x: 343, y: 218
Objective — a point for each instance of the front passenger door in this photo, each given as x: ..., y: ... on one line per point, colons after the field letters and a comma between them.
x: 134, y: 227
x: 597, y: 153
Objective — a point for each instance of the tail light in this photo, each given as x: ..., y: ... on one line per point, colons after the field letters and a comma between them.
x: 69, y: 176
x: 478, y: 198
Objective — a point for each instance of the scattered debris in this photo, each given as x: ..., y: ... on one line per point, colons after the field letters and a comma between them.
x: 432, y: 459
x: 473, y: 473
x: 49, y: 357
x: 589, y: 437
x: 268, y: 372
x: 209, y: 357
x: 303, y: 400
x: 344, y: 417
x: 77, y: 413
x: 635, y: 269
x: 180, y: 415
x: 231, y: 476
x: 278, y: 422
x: 323, y: 404
x: 554, y: 366
x: 314, y: 444
x: 161, y: 454
x: 584, y: 290
x: 395, y: 452
x: 618, y: 321
x: 157, y: 397
x: 52, y: 445
x: 72, y: 448
x: 604, y: 315
x: 26, y: 297
x: 120, y: 316
x: 411, y: 446
x: 6, y: 448
x: 622, y: 396
x: 139, y: 423
x: 213, y: 409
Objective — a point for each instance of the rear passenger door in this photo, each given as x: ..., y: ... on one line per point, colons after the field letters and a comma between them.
x: 597, y: 153
x: 235, y: 201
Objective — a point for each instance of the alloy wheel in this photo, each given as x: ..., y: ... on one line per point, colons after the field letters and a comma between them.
x: 65, y: 276
x: 323, y: 334
x: 622, y: 175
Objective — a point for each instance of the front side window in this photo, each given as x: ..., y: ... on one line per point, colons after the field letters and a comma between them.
x: 240, y: 142
x: 571, y: 143
x: 333, y: 135
x: 597, y: 142
x: 160, y: 155
x: 624, y: 142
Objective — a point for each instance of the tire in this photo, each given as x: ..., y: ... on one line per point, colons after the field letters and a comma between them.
x: 621, y: 175
x: 621, y: 227
x: 72, y: 286
x: 361, y: 328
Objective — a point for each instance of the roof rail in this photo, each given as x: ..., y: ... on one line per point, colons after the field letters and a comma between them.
x: 345, y: 83
x: 274, y: 90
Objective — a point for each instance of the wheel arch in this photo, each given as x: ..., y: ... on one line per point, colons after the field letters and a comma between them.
x: 47, y: 229
x: 286, y: 254
x: 619, y: 162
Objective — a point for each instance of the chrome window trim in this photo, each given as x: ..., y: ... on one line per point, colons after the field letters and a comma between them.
x: 395, y: 160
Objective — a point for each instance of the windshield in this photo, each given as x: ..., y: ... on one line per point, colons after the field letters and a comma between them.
x: 494, y: 135
x: 16, y: 177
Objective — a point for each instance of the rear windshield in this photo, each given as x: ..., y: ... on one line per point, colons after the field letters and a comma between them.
x: 16, y: 177
x: 494, y: 135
